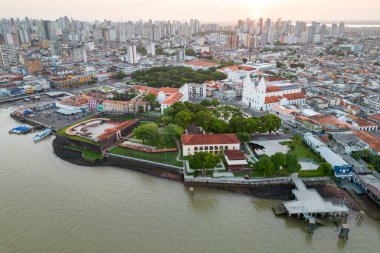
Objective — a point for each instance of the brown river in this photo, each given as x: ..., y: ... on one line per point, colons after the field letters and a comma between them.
x: 49, y: 205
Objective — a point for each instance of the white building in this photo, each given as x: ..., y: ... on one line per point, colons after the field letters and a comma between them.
x: 214, y: 143
x: 151, y: 49
x: 261, y: 95
x: 286, y: 115
x: 197, y: 90
x: 341, y: 168
x: 8, y: 56
x: 132, y: 55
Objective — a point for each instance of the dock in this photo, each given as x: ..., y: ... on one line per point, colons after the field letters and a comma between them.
x: 309, y: 203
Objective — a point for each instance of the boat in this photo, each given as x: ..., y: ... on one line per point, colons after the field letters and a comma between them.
x: 39, y: 136
x: 20, y: 130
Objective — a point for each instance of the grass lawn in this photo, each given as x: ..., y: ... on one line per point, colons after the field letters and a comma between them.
x: 315, y: 173
x: 166, y: 158
x: 92, y: 156
x: 303, y: 151
x: 87, y: 154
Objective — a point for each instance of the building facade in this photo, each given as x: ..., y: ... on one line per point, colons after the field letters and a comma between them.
x: 214, y: 143
x: 262, y: 96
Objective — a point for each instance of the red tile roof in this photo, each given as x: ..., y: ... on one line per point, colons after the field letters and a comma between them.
x: 238, y: 67
x: 372, y: 140
x: 330, y: 120
x: 206, y: 139
x: 173, y: 98
x: 294, y: 96
x: 271, y: 100
x: 375, y: 117
x: 234, y: 154
x: 169, y: 90
x: 275, y: 79
x: 272, y: 89
x: 109, y: 131
x: 202, y: 63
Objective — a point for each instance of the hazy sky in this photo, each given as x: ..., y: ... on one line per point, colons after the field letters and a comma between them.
x: 204, y: 10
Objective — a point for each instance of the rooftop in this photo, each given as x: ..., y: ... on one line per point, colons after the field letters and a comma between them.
x: 206, y: 139
x: 372, y: 140
x: 234, y: 154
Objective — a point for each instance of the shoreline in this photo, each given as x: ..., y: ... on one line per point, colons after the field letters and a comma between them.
x: 277, y: 192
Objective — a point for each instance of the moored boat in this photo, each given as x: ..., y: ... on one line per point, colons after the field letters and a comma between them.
x: 20, y: 130
x: 39, y: 136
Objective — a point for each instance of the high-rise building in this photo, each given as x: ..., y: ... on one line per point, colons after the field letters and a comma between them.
x: 24, y: 35
x: 48, y: 30
x: 334, y: 30
x: 155, y: 33
x: 132, y: 54
x: 300, y: 27
x: 6, y: 38
x: 151, y: 49
x: 55, y: 48
x: 341, y: 30
x: 181, y: 55
x: 78, y: 54
x: 8, y: 56
x: 233, y: 42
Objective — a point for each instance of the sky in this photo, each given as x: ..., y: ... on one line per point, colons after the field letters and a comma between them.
x: 204, y: 10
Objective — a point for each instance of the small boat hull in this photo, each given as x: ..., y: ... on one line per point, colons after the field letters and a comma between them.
x: 20, y: 130
x: 41, y: 135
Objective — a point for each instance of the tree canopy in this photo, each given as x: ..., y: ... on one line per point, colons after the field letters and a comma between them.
x: 203, y: 161
x: 147, y: 132
x: 175, y: 76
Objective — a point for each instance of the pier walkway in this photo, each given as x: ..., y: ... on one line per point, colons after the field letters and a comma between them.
x: 309, y: 202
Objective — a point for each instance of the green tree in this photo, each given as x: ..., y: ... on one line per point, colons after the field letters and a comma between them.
x: 265, y: 166
x: 279, y: 160
x: 171, y: 133
x: 215, y: 102
x: 219, y: 126
x: 190, y: 52
x: 292, y: 164
x: 183, y: 118
x: 119, y: 75
x: 236, y: 124
x: 326, y: 168
x: 151, y: 99
x: 203, y: 161
x: 202, y: 119
x: 243, y: 136
x: 147, y: 132
x: 205, y: 103
x: 141, y: 50
x: 269, y: 123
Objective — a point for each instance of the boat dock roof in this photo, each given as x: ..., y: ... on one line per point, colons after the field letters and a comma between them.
x: 309, y: 201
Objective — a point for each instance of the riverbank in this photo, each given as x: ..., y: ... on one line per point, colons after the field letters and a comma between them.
x: 276, y: 191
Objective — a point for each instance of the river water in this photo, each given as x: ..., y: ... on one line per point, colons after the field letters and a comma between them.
x: 50, y: 205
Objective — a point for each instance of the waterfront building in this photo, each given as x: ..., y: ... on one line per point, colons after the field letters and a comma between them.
x: 341, y: 168
x: 214, y: 143
x: 235, y: 160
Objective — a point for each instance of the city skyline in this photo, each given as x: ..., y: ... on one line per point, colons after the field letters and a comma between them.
x: 118, y: 10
